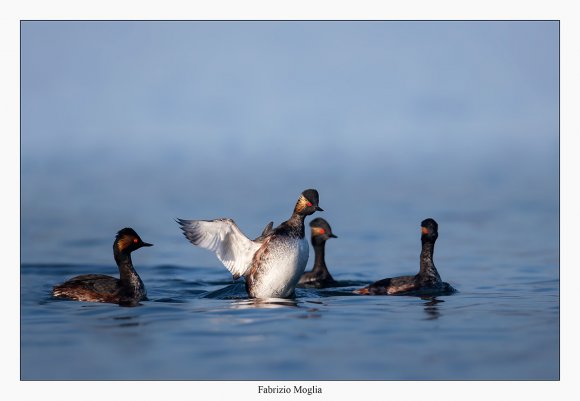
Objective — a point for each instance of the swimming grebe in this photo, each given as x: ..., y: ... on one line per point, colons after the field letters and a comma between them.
x: 319, y: 277
x: 426, y: 282
x: 273, y: 262
x: 127, y: 290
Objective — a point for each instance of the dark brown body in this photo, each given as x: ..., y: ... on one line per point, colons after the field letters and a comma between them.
x: 316, y: 280
x: 407, y: 285
x: 99, y: 288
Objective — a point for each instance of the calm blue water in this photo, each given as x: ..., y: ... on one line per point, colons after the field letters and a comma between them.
x: 503, y: 324
x: 136, y: 124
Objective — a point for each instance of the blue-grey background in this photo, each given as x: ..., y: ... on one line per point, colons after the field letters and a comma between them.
x: 137, y: 123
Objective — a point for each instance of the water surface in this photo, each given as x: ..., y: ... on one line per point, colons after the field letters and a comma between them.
x: 503, y: 324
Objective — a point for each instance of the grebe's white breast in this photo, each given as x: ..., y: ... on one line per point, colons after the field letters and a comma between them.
x: 278, y: 266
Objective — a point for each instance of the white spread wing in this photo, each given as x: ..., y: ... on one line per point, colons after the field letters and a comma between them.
x: 223, y: 237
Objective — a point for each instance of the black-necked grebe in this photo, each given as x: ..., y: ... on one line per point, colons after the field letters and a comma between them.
x: 126, y: 290
x: 273, y: 262
x: 319, y: 277
x: 426, y: 282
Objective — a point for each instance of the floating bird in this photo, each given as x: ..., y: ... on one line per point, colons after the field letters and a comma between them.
x: 272, y: 263
x: 126, y: 290
x: 426, y: 282
x: 319, y: 277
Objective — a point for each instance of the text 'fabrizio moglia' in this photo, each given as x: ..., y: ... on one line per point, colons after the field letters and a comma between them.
x: 289, y: 390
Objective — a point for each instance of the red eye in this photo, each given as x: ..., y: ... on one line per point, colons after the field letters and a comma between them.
x: 135, y: 240
x: 322, y: 230
x: 309, y: 204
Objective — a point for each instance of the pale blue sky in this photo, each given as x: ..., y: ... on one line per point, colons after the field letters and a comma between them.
x: 141, y: 122
x: 304, y: 87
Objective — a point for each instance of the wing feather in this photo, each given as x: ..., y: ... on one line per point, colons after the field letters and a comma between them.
x: 267, y: 231
x: 225, y: 239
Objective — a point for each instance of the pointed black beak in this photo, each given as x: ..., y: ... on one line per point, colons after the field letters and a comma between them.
x: 146, y: 244
x: 319, y: 209
x: 332, y: 236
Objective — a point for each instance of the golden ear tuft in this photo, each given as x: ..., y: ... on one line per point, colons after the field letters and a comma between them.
x: 124, y: 242
x: 302, y: 203
x: 317, y: 231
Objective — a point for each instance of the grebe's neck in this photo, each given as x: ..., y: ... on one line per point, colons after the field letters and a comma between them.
x: 319, y: 262
x: 427, y: 267
x: 127, y: 274
x: 296, y: 222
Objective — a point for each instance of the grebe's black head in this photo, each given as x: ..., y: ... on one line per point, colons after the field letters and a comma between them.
x: 127, y: 241
x: 429, y: 231
x: 321, y: 229
x: 307, y: 203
